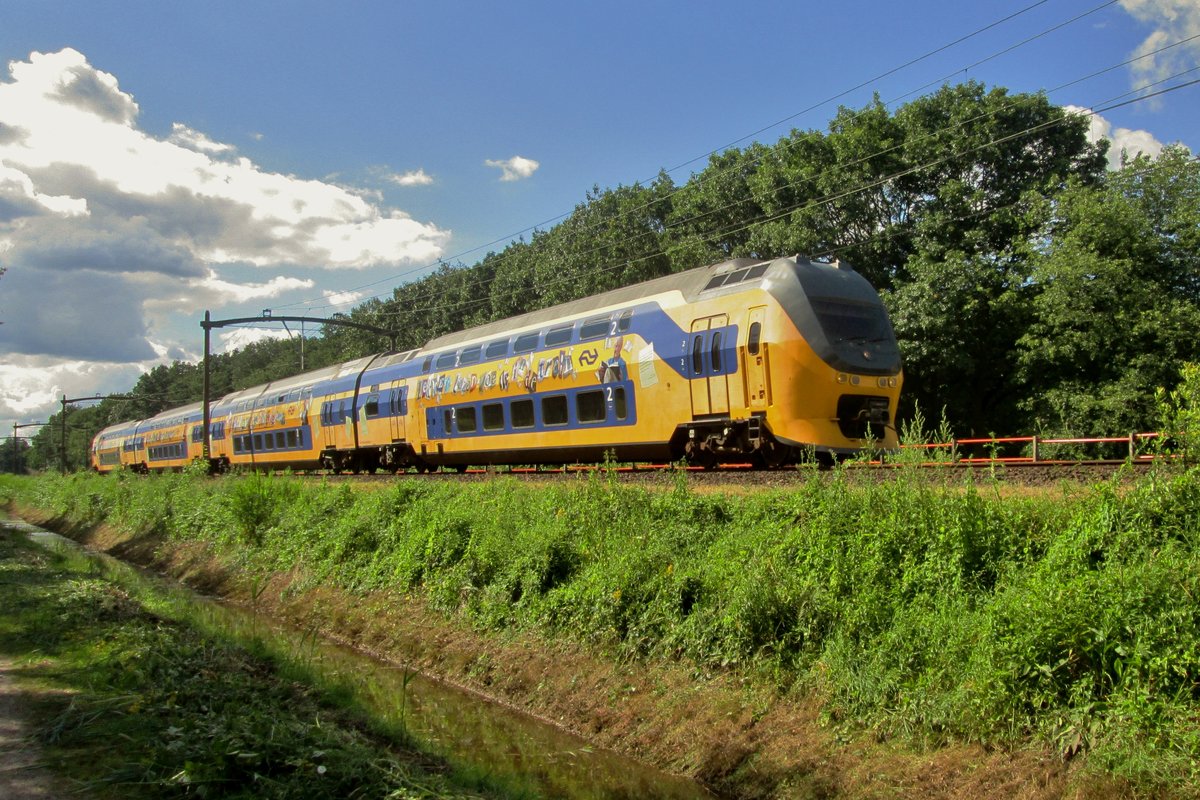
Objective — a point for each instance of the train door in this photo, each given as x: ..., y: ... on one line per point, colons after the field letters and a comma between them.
x: 306, y: 437
x: 754, y: 360
x: 331, y: 419
x: 709, y: 378
x: 398, y: 410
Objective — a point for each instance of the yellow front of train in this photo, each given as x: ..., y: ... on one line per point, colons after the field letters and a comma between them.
x: 830, y: 359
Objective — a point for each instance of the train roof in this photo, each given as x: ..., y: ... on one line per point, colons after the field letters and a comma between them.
x: 736, y: 274
x: 118, y: 429
x: 173, y: 413
x: 686, y: 283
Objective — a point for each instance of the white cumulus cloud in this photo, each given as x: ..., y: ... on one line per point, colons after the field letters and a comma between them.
x: 184, y: 136
x: 119, y: 226
x: 238, y: 338
x: 226, y: 292
x: 31, y: 389
x: 1124, y: 143
x: 515, y: 168
x: 1172, y: 21
x: 417, y: 177
x: 343, y: 298
x: 111, y: 235
x: 71, y: 132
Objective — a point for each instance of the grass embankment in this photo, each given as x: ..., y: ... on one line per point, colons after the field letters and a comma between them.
x: 133, y: 703
x: 917, y: 613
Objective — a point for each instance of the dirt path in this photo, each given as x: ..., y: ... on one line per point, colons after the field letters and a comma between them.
x: 21, y: 775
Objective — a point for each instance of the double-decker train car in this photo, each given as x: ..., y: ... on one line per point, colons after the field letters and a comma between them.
x: 743, y: 360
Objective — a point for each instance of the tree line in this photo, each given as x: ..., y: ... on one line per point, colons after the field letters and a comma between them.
x: 1032, y: 289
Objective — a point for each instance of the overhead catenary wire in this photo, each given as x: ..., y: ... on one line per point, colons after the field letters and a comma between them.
x: 705, y: 177
x: 828, y: 199
x: 849, y: 192
x: 515, y: 235
x: 843, y: 165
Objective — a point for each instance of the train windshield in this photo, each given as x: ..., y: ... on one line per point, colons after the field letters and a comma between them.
x: 847, y: 321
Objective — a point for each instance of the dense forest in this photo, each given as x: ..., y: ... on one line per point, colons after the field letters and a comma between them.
x: 1033, y: 290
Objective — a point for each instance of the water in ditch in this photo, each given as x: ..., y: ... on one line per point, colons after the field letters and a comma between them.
x: 461, y: 726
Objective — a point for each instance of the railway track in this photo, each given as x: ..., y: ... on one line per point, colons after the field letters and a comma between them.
x: 1020, y: 472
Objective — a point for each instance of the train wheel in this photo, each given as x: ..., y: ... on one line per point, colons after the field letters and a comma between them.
x: 700, y: 456
x: 771, y: 455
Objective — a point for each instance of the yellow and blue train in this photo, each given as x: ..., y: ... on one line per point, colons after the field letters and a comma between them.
x: 746, y: 360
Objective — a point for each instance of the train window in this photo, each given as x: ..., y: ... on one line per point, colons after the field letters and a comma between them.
x: 757, y: 272
x: 493, y: 417
x: 448, y: 420
x: 554, y: 410
x: 619, y: 402
x: 560, y: 335
x: 279, y: 440
x: 714, y: 282
x: 447, y: 360
x: 754, y: 337
x: 469, y: 355
x: 372, y: 406
x: 521, y: 412
x: 698, y: 354
x: 465, y: 417
x: 496, y: 350
x: 624, y: 321
x: 526, y: 342
x: 844, y: 320
x: 589, y: 406
x: 293, y: 439
x: 736, y: 277
x: 258, y: 442
x: 427, y: 363
x: 716, y: 351
x: 594, y: 328
x: 197, y: 433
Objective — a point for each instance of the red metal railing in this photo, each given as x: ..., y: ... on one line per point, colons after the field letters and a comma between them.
x: 1031, y: 448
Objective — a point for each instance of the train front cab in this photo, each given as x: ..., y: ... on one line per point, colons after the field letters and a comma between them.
x: 816, y: 368
x: 833, y: 362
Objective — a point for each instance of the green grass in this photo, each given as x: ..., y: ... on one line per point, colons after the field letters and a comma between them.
x: 916, y: 610
x: 133, y: 704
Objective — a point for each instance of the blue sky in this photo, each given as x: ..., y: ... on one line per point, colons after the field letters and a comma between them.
x: 159, y: 159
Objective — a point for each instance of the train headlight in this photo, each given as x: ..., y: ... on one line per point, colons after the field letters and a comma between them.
x: 842, y: 377
x: 891, y: 383
x: 883, y: 383
x: 854, y: 380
